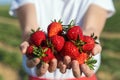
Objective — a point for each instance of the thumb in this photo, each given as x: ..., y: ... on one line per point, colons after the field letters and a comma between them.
x: 86, y: 70
x: 23, y: 47
x: 97, y: 49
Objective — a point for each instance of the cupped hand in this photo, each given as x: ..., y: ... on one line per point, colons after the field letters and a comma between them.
x: 41, y: 69
x: 77, y: 69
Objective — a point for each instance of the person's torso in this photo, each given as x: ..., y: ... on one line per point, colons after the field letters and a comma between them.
x: 66, y: 10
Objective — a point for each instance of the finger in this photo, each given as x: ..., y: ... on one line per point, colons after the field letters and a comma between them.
x: 42, y: 70
x: 59, y: 64
x: 67, y: 61
x: 76, y: 69
x: 23, y: 47
x: 52, y: 65
x: 97, y: 49
x: 32, y: 62
x: 86, y: 70
x: 62, y: 67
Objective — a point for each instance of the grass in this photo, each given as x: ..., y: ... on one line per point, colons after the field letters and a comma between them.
x: 10, y: 37
x: 113, y: 24
x: 110, y: 65
x: 1, y: 78
x: 111, y: 44
x: 10, y: 58
x: 10, y: 34
x: 4, y: 11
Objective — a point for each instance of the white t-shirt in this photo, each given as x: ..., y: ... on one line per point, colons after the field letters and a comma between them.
x: 66, y: 10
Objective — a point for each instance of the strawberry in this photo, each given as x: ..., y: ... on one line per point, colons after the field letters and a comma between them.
x: 54, y: 28
x: 70, y: 49
x: 89, y: 43
x: 85, y: 58
x: 82, y: 58
x: 74, y: 32
x: 57, y: 42
x: 43, y: 53
x: 37, y: 37
x: 48, y: 55
x: 29, y: 51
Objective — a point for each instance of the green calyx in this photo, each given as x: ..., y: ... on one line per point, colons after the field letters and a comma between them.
x: 50, y: 45
x: 91, y: 62
x: 59, y: 21
x: 79, y: 43
x: 32, y: 30
x: 67, y: 27
x: 39, y: 52
x: 94, y: 37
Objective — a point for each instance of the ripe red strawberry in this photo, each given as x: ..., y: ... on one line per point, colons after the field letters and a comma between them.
x: 57, y: 42
x: 89, y: 43
x: 54, y: 28
x: 37, y: 37
x: 74, y: 32
x: 29, y: 52
x: 48, y: 55
x: 82, y: 58
x: 70, y: 49
x: 85, y: 58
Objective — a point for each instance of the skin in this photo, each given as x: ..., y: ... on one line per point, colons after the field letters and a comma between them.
x: 94, y: 21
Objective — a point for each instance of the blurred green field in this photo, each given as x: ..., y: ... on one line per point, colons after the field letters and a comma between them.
x: 11, y: 58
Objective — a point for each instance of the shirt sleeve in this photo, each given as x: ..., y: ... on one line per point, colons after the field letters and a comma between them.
x: 107, y: 5
x: 16, y: 4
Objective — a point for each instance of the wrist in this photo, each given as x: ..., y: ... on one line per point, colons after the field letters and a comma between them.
x: 26, y: 33
x: 90, y: 31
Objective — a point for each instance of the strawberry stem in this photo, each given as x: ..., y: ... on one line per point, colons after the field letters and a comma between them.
x: 50, y: 45
x: 55, y: 20
x: 38, y: 29
x: 72, y: 23
x: 32, y: 30
x: 67, y: 27
x: 60, y: 21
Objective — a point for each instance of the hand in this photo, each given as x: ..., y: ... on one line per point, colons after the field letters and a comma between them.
x: 41, y: 68
x: 76, y: 68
